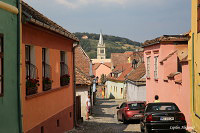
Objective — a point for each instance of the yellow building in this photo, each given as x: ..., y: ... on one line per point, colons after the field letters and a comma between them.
x: 194, y: 62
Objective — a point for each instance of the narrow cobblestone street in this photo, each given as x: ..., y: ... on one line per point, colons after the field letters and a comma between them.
x: 104, y: 120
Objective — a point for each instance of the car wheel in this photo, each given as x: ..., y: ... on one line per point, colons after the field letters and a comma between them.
x: 124, y: 119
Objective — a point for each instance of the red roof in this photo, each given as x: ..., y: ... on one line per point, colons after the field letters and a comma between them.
x: 82, y: 62
x: 122, y: 58
x: 39, y: 19
x: 138, y: 73
x: 122, y: 70
x: 167, y: 38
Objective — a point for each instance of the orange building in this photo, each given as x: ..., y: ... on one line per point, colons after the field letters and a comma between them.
x: 47, y: 76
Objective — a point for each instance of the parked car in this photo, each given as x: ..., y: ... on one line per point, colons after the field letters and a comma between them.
x: 130, y: 111
x: 163, y: 117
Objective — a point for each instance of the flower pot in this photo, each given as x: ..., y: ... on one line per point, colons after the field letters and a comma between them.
x: 46, y: 87
x: 31, y: 91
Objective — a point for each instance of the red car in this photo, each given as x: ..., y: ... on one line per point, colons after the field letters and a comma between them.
x: 131, y: 111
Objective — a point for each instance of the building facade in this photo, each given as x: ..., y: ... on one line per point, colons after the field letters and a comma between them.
x: 83, y: 79
x: 10, y: 108
x: 136, y: 84
x: 115, y: 85
x: 167, y: 71
x: 47, y: 87
x: 100, y: 69
x: 194, y: 63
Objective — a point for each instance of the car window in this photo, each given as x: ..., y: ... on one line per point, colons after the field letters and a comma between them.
x: 123, y: 105
x: 136, y: 105
x: 162, y: 107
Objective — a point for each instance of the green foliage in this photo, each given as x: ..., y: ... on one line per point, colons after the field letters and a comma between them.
x: 85, y: 44
x: 113, y: 44
x: 32, y: 83
x: 103, y: 79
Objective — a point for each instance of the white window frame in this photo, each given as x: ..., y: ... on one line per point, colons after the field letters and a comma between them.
x: 148, y: 66
x: 155, y: 67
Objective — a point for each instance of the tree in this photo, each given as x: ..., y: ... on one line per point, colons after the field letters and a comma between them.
x: 103, y: 79
x: 85, y: 44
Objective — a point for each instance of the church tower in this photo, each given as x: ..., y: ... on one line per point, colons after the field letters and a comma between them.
x: 101, y: 48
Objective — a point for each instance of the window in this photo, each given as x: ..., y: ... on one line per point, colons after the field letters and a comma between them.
x: 1, y: 65
x: 179, y: 65
x: 46, y: 71
x: 102, y: 51
x: 43, y: 62
x: 198, y: 16
x: 64, y: 75
x: 28, y: 61
x: 121, y: 90
x: 123, y: 105
x: 32, y: 82
x: 148, y: 67
x: 156, y: 67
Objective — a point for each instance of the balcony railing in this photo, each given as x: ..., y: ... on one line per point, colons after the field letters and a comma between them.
x: 64, y: 75
x: 47, y: 81
x: 32, y: 81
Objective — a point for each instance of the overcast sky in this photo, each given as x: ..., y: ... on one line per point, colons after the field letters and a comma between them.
x: 138, y: 20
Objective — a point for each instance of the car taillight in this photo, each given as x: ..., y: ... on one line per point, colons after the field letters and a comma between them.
x: 127, y: 108
x: 182, y: 117
x: 149, y: 118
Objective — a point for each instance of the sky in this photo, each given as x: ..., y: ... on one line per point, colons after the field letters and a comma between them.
x: 138, y: 20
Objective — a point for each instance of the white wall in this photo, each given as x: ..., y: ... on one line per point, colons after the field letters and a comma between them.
x: 113, y: 90
x: 136, y: 93
x: 83, y: 92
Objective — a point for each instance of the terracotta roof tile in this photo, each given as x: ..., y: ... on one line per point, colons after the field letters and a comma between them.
x: 123, y: 70
x: 108, y: 64
x: 122, y: 58
x: 82, y: 62
x: 82, y: 78
x: 95, y: 65
x: 166, y: 38
x: 138, y: 73
x: 31, y: 15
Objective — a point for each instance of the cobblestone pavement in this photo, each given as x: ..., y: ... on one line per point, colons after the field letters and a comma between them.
x: 104, y: 120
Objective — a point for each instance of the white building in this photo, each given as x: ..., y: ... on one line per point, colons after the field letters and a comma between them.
x: 136, y: 84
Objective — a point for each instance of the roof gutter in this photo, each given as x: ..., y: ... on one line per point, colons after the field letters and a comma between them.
x: 150, y: 44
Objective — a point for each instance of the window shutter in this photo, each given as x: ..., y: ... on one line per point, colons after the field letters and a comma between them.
x: 198, y: 16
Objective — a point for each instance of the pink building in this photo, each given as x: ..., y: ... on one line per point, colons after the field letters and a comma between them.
x: 101, y: 68
x: 167, y: 71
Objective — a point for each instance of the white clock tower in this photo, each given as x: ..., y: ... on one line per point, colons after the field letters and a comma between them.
x: 101, y: 48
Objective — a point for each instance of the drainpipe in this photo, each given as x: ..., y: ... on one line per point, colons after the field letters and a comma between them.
x: 74, y: 68
x: 8, y: 7
x: 18, y: 66
x: 193, y: 72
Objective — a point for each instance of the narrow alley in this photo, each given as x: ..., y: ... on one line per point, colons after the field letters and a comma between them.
x: 104, y: 120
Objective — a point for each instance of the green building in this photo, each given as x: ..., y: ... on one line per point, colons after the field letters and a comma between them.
x: 10, y: 116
